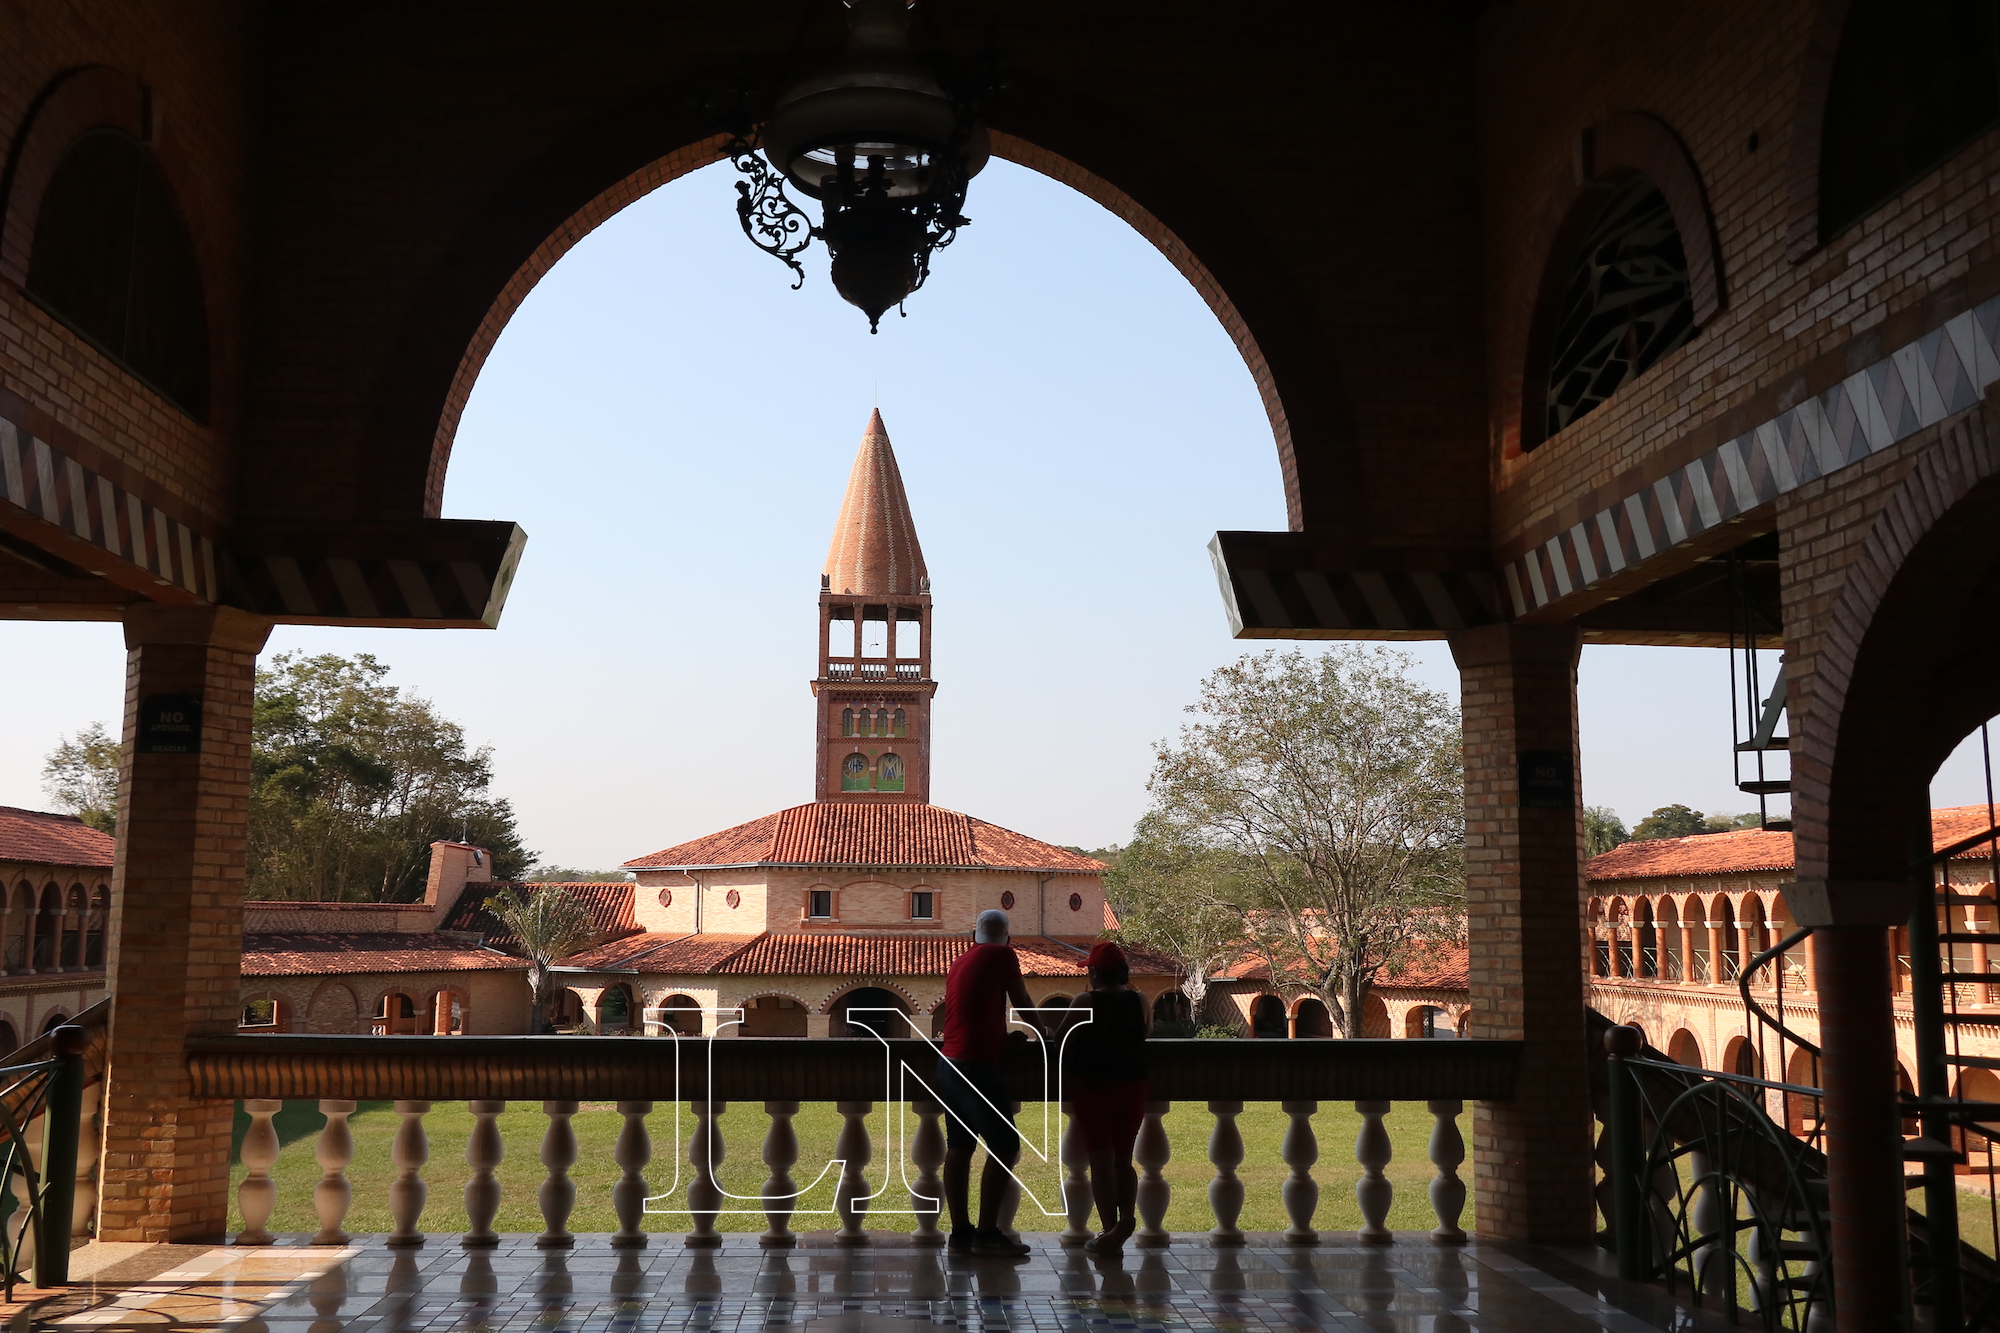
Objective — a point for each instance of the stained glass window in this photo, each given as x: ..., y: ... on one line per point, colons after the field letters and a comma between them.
x: 891, y: 773
x: 847, y: 721
x: 1627, y: 302
x: 854, y: 773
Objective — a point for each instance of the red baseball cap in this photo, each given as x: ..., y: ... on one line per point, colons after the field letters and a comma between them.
x: 1105, y: 954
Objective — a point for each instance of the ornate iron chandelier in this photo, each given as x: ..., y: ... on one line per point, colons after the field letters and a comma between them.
x: 884, y: 144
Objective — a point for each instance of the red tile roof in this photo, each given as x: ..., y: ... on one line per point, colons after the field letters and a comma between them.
x: 837, y: 955
x: 1746, y: 850
x: 41, y: 838
x: 1441, y: 967
x: 609, y: 903
x: 874, y: 547
x: 330, y: 955
x: 835, y: 833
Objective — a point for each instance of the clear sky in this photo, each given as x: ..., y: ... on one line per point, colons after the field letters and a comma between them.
x: 673, y: 426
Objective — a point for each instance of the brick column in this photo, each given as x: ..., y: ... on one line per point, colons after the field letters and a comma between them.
x: 176, y: 930
x: 1524, y: 907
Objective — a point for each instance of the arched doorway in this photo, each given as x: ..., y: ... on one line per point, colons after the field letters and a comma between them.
x: 852, y: 1016
x: 1311, y: 1019
x: 395, y: 1016
x: 616, y: 1013
x: 773, y: 1016
x: 1374, y: 1017
x: 679, y: 1014
x: 1428, y: 1020
x: 1267, y: 1017
x: 1684, y: 1048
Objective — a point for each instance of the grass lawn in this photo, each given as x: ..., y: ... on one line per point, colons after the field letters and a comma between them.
x: 743, y: 1128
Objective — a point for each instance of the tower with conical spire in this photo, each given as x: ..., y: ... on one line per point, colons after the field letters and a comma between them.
x: 874, y: 686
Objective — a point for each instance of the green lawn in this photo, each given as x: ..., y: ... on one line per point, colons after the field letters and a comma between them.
x: 743, y: 1127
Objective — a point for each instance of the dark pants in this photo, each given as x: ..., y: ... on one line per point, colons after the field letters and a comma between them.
x: 975, y: 1100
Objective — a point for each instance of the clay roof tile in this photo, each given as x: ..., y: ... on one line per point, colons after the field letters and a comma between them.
x: 38, y: 837
x: 847, y: 833
x: 874, y: 548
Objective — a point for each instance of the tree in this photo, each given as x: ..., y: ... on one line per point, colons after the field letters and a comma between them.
x: 1602, y: 830
x: 1337, y: 784
x: 553, y: 874
x: 550, y: 925
x: 1672, y: 821
x: 81, y: 777
x: 1731, y: 823
x: 352, y: 780
x: 1180, y: 896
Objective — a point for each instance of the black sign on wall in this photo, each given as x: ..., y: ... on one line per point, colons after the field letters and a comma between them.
x: 170, y: 724
x: 1546, y: 781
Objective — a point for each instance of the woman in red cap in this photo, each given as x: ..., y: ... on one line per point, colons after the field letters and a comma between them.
x: 1108, y: 1071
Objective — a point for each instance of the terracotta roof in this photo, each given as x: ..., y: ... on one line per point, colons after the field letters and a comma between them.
x: 816, y: 955
x: 874, y: 547
x: 1442, y: 967
x: 1745, y: 850
x: 609, y: 903
x: 39, y: 837
x: 327, y: 955
x: 1734, y: 853
x: 837, y: 833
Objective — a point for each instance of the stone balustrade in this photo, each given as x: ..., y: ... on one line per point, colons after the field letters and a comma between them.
x: 779, y: 1074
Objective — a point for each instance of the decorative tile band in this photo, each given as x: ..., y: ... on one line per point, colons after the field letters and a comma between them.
x: 1277, y: 597
x: 1943, y: 372
x: 50, y: 485
x: 440, y: 572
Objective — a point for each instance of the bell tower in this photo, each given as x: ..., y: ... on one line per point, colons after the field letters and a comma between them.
x: 874, y: 685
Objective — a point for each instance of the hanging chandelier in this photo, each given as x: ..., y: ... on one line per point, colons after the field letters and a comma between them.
x: 887, y: 149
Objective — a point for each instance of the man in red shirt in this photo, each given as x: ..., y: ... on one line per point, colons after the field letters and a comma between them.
x: 972, y: 1083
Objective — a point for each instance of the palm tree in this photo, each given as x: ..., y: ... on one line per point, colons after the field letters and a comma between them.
x: 551, y: 924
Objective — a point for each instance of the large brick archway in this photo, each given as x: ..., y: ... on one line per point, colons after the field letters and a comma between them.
x: 476, y: 290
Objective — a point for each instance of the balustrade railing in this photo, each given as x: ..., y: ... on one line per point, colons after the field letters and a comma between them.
x: 50, y: 1093
x: 778, y: 1074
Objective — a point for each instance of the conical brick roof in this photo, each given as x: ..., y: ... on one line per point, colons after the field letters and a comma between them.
x: 874, y: 549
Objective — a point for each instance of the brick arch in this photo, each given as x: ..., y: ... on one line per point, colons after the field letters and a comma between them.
x: 1913, y: 620
x: 469, y: 297
x: 866, y: 983
x: 1808, y: 124
x: 803, y: 1002
x: 1611, y: 151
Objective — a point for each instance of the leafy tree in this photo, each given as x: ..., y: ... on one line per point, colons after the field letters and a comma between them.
x: 552, y: 874
x: 81, y: 777
x: 1602, y: 830
x: 1179, y: 895
x: 1337, y: 785
x: 550, y: 925
x: 1672, y: 821
x: 1730, y: 823
x: 352, y: 780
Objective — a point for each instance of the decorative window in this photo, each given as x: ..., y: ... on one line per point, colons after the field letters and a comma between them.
x: 113, y: 260
x: 854, y: 773
x: 666, y: 897
x: 1076, y: 902
x: 902, y: 723
x: 733, y: 898
x: 1914, y: 82
x: 1007, y: 901
x: 923, y: 906
x: 847, y: 721
x: 1626, y: 304
x: 891, y: 771
x: 819, y: 904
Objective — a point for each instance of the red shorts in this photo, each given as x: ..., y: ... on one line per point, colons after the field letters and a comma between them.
x: 1108, y: 1114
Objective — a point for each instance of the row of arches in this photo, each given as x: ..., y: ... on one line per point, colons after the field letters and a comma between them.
x: 54, y: 929
x: 334, y: 1009
x: 1307, y: 1016
x: 854, y: 1013
x: 874, y: 722
x: 1700, y: 939
x: 11, y: 1038
x: 885, y: 774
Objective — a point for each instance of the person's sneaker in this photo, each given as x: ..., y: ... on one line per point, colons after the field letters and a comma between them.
x: 963, y: 1242
x: 996, y: 1242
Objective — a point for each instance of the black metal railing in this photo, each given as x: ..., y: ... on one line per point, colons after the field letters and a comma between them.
x: 37, y: 1206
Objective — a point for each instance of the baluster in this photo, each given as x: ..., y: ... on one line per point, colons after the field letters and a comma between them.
x: 483, y: 1153
x: 1373, y: 1191
x: 83, y: 1212
x: 1447, y: 1151
x: 628, y: 1196
x: 704, y: 1191
x: 781, y: 1153
x: 1010, y: 1191
x: 1152, y: 1152
x: 258, y: 1194
x: 1076, y: 1182
x: 408, y: 1191
x: 850, y: 1197
x: 558, y: 1193
x: 333, y: 1194
x: 927, y: 1151
x: 1301, y: 1192
x: 1225, y: 1192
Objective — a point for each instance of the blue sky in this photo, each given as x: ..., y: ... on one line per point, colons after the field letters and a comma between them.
x: 673, y: 426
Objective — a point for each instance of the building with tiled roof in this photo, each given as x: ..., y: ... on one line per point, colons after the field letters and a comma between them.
x: 55, y: 895
x: 1672, y: 924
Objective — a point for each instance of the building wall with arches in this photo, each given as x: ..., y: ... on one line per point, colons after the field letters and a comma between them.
x: 779, y: 900
x: 489, y: 1003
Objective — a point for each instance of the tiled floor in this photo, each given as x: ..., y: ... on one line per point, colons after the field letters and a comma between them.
x: 1411, y: 1287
